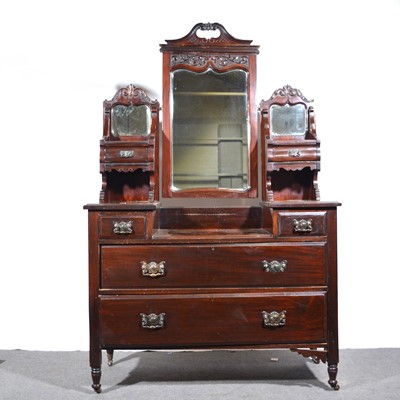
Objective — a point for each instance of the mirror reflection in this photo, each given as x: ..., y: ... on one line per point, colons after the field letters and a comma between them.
x: 210, y: 129
x: 130, y: 120
x: 288, y: 120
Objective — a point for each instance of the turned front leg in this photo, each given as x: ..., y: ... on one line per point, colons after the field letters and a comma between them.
x: 332, y: 371
x: 96, y: 376
x: 95, y: 365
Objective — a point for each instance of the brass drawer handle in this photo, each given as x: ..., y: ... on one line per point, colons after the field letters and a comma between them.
x: 122, y: 227
x: 127, y: 154
x: 153, y: 269
x: 152, y: 321
x: 274, y: 319
x: 294, y: 153
x: 274, y: 266
x: 302, y: 225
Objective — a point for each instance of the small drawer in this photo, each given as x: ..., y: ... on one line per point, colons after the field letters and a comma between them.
x: 293, y: 153
x: 299, y: 223
x: 128, y: 154
x: 184, y: 266
x: 125, y: 226
x: 213, y: 319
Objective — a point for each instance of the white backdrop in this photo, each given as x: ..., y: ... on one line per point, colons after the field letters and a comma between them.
x: 60, y: 60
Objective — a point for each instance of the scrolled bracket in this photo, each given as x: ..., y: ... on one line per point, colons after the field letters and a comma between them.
x: 274, y: 266
x: 123, y: 227
x: 302, y: 225
x: 314, y: 354
x: 153, y: 269
x: 274, y: 319
x: 152, y: 321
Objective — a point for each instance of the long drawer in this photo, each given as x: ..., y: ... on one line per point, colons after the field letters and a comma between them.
x: 239, y: 265
x: 177, y: 321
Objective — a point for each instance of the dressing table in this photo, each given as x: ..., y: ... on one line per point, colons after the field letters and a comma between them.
x: 210, y: 232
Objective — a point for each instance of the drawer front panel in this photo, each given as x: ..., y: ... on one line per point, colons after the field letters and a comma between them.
x: 123, y: 226
x: 155, y: 321
x: 129, y: 154
x: 304, y: 223
x: 213, y: 266
x: 293, y: 153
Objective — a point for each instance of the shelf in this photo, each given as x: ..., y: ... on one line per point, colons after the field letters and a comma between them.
x: 208, y: 142
x: 216, y: 176
x: 222, y: 235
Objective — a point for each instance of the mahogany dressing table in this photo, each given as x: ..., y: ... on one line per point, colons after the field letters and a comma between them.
x: 210, y: 232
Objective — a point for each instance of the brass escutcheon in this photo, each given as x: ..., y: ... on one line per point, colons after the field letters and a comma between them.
x: 274, y: 266
x: 122, y: 227
x: 274, y: 319
x: 152, y: 321
x: 153, y: 269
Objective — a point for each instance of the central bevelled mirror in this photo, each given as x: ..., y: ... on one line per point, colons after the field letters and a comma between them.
x: 210, y: 129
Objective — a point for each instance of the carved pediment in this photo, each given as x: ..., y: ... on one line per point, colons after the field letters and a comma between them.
x: 285, y: 95
x: 131, y: 95
x: 219, y: 39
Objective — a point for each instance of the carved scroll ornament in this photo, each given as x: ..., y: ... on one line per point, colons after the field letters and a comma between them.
x: 217, y: 61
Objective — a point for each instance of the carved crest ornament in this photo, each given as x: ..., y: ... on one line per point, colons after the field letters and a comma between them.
x: 133, y: 94
x: 288, y: 91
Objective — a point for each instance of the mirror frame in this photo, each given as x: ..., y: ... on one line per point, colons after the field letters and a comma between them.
x: 287, y: 96
x: 131, y: 96
x: 198, y: 54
